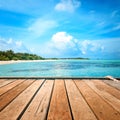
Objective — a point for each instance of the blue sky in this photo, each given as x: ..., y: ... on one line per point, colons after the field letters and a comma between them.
x: 61, y: 28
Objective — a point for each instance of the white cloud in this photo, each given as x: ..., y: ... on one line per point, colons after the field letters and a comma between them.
x: 67, y: 5
x: 61, y: 40
x: 19, y: 43
x: 62, y: 37
x: 10, y: 41
x: 84, y: 46
x: 63, y: 44
x: 40, y: 26
x: 10, y: 44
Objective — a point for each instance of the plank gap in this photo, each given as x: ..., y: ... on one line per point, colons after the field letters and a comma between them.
x: 68, y: 101
x: 107, y: 97
x: 89, y: 110
x: 6, y: 82
x: 21, y: 114
x: 10, y: 86
x: 50, y: 99
x: 9, y: 96
x: 102, y: 110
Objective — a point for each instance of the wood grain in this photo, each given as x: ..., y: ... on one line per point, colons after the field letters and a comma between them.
x: 80, y: 109
x: 112, y: 83
x: 101, y: 108
x: 104, y: 87
x: 37, y: 110
x: 59, y: 108
x: 14, y: 109
x: 6, y: 98
x: 59, y: 99
x: 106, y: 96
x: 5, y: 82
x: 9, y: 86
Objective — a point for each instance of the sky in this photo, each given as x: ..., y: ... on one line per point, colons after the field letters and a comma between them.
x: 61, y: 28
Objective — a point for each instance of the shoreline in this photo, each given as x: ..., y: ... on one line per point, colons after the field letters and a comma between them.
x: 8, y: 62
x: 20, y: 61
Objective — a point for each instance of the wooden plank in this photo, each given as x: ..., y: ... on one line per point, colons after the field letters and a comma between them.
x: 80, y: 109
x: 113, y: 83
x: 10, y: 86
x: 2, y: 80
x: 59, y: 108
x: 104, y: 87
x: 14, y: 109
x: 39, y: 106
x: 5, y: 82
x: 6, y: 98
x: 102, y: 109
x: 106, y: 96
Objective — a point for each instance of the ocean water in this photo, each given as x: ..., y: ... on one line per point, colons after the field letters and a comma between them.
x: 63, y: 68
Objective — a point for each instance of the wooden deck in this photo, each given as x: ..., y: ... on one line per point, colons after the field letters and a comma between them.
x: 59, y: 99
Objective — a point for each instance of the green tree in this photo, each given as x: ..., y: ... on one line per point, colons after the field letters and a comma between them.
x: 10, y: 55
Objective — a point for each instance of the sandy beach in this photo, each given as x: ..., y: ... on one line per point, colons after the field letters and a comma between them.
x: 8, y: 62
x: 18, y: 61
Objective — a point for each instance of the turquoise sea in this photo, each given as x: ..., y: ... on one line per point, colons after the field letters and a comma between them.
x: 63, y: 68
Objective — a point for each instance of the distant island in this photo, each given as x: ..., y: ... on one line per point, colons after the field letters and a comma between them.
x: 10, y: 55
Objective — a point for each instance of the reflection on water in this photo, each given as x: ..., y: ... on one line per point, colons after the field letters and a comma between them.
x: 62, y: 68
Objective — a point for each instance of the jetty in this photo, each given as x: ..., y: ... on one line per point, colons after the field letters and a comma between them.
x: 59, y: 99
